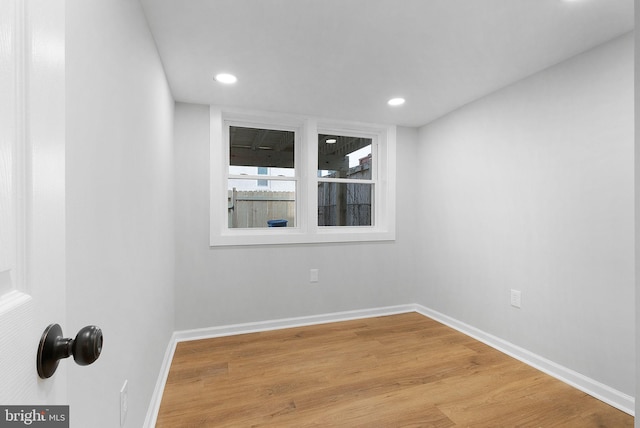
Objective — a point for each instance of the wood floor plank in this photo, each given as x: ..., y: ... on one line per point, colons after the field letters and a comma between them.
x: 396, y: 371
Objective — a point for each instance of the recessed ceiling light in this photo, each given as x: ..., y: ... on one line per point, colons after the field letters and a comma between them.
x: 330, y: 141
x: 226, y: 78
x: 396, y: 101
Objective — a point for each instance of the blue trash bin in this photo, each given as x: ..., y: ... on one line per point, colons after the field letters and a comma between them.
x: 277, y: 223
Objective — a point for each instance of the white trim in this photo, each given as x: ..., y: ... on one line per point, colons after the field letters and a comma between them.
x: 255, y: 327
x: 592, y: 387
x: 596, y: 389
x: 156, y: 397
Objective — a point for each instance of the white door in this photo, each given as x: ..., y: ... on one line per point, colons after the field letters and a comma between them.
x: 32, y: 195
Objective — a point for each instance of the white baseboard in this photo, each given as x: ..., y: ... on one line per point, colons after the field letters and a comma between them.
x: 596, y: 389
x: 156, y: 397
x: 254, y: 327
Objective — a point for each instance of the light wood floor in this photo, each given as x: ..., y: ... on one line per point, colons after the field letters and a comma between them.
x: 396, y: 371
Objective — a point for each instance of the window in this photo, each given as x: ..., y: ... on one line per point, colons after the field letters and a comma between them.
x: 254, y: 201
x: 345, y: 180
x: 286, y: 179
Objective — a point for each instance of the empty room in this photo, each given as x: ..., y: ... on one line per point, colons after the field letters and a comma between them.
x: 296, y: 213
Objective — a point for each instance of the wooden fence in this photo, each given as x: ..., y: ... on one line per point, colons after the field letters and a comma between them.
x: 253, y: 208
x: 339, y: 204
x: 344, y: 204
x: 347, y: 204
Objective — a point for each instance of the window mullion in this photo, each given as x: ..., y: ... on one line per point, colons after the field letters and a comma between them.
x: 345, y: 180
x: 261, y: 177
x: 310, y: 172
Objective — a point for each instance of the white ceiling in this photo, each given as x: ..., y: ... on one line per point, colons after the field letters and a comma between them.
x: 345, y: 58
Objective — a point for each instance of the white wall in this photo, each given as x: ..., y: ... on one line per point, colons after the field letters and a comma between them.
x: 120, y: 245
x: 220, y: 286
x: 532, y: 188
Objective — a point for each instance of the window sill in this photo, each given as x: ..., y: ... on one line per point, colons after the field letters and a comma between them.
x: 281, y: 236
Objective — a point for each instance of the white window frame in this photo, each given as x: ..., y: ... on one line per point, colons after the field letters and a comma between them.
x: 306, y: 229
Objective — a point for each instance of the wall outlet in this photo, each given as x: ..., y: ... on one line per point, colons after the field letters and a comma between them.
x: 124, y: 402
x: 516, y: 298
x: 314, y: 275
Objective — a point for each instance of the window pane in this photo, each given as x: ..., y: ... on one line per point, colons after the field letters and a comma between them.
x: 249, y: 208
x: 263, y: 170
x: 256, y: 151
x: 344, y: 204
x: 344, y: 157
